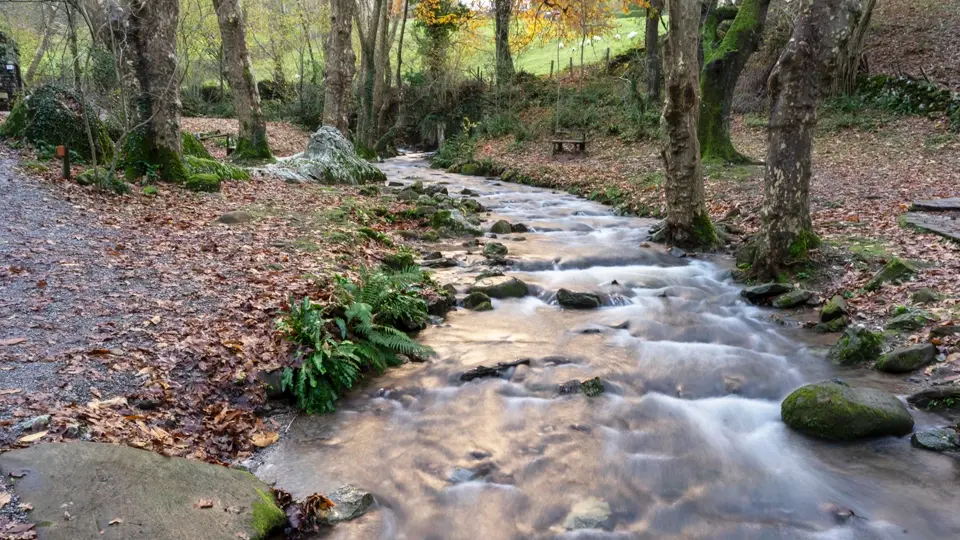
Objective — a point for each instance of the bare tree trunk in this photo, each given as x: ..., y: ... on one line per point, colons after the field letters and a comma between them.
x: 74, y: 50
x: 501, y: 11
x: 848, y: 65
x: 44, y: 45
x: 403, y: 28
x: 724, y: 59
x: 651, y: 40
x: 252, y: 138
x: 687, y: 222
x: 340, y: 66
x: 798, y: 82
x: 368, y: 68
x: 154, y: 29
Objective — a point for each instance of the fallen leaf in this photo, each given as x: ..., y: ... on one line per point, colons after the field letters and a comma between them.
x: 232, y: 509
x: 4, y: 499
x: 115, y: 521
x: 18, y: 473
x: 20, y: 528
x: 204, y: 503
x: 32, y: 437
x: 26, y: 507
x: 12, y: 341
x: 263, y: 440
x: 41, y: 284
x: 10, y: 391
x: 112, y: 402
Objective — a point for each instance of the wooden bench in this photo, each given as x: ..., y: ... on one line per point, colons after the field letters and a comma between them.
x: 579, y: 146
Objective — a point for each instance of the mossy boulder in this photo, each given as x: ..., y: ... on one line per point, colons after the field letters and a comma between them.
x: 104, y: 179
x: 52, y: 116
x: 578, y: 300
x: 856, y: 345
x: 909, y: 321
x: 501, y: 287
x: 501, y: 227
x: 925, y: 296
x: 894, y: 271
x: 204, y: 182
x: 835, y: 411
x: 592, y: 387
x: 329, y: 159
x: 471, y: 205
x: 454, y: 223
x: 760, y: 294
x: 477, y: 301
x: 907, y: 359
x: 399, y: 260
x: 495, y: 250
x: 192, y: 146
x: 834, y: 309
x: 833, y: 325
x: 791, y: 299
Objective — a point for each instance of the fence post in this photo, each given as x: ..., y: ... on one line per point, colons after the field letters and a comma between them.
x: 571, y: 65
x: 64, y: 153
x: 608, y: 56
x: 551, y: 69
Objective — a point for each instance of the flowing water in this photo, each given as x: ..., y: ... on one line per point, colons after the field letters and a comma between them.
x: 686, y: 442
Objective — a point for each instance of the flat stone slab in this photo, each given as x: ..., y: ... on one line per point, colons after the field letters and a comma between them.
x: 937, y: 205
x: 78, y: 489
x: 945, y: 223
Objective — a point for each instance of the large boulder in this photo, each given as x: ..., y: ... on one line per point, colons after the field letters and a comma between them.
x: 453, y: 222
x: 500, y: 287
x: 908, y: 358
x: 94, y: 490
x: 835, y: 411
x: 856, y: 345
x: 760, y: 294
x: 330, y: 159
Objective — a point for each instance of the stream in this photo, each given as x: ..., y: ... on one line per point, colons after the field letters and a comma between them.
x: 686, y: 441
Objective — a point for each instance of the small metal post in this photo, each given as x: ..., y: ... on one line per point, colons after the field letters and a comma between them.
x: 64, y: 154
x: 608, y: 56
x: 551, y: 69
x: 571, y: 65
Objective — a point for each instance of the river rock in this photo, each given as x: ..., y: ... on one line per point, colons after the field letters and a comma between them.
x: 791, y: 299
x: 417, y: 187
x: 895, y: 270
x: 445, y: 262
x: 235, y: 217
x: 156, y: 496
x: 501, y: 287
x: 435, y: 189
x: 578, y: 300
x: 945, y: 330
x: 938, y: 397
x: 519, y: 228
x: 925, y: 296
x: 856, y: 345
x: 495, y: 250
x: 589, y: 513
x: 349, y: 503
x: 454, y: 222
x: 408, y: 195
x: 477, y: 301
x: 432, y: 256
x: 471, y: 205
x: 467, y: 192
x: 426, y: 200
x: 938, y: 440
x: 908, y: 321
x: 834, y: 309
x: 759, y: 294
x: 908, y: 359
x: 833, y: 410
x: 501, y: 227
x: 330, y: 159
x: 498, y: 370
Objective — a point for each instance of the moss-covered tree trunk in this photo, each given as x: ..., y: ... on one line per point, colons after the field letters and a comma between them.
x: 502, y: 9
x: 340, y: 66
x: 651, y: 41
x: 153, y: 27
x: 252, y: 136
x: 725, y: 54
x: 848, y: 66
x: 687, y: 222
x: 798, y: 81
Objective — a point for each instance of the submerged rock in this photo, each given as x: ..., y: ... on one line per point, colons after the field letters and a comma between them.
x: 350, y: 503
x: 496, y: 371
x: 501, y: 227
x: 589, y: 513
x: 330, y: 159
x: 895, y: 270
x: 578, y: 300
x: 938, y: 440
x: 857, y: 344
x: 908, y: 358
x: 791, y: 299
x: 833, y: 410
x: 834, y: 309
x: 477, y: 301
x: 501, y: 287
x: 759, y: 294
x: 495, y: 250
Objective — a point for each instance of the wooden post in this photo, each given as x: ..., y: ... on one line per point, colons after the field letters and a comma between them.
x: 551, y: 69
x: 608, y: 56
x: 64, y: 154
x: 479, y: 76
x: 571, y: 65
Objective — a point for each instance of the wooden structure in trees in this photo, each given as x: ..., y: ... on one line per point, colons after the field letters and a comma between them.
x: 11, y: 82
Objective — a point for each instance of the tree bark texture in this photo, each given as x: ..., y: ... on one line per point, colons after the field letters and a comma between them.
x: 154, y: 29
x: 48, y: 14
x: 799, y: 80
x: 340, y: 66
x: 368, y: 67
x: 687, y: 222
x: 651, y: 40
x: 724, y: 59
x: 502, y: 9
x: 848, y: 66
x: 252, y: 136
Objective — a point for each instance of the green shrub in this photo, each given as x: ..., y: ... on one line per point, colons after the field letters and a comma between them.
x: 104, y: 179
x: 456, y: 150
x: 223, y: 171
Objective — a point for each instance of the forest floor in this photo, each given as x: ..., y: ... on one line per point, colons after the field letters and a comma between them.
x: 865, y: 177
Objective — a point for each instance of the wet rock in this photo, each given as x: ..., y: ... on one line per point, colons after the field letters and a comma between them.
x: 489, y: 273
x: 501, y: 287
x: 856, y: 345
x: 235, y: 217
x: 894, y: 271
x: 925, y: 296
x: 589, y: 513
x: 760, y: 294
x: 569, y: 387
x: 435, y: 189
x: 468, y: 192
x: 578, y: 300
x: 592, y: 387
x: 417, y: 187
x: 909, y: 321
x: 501, y: 227
x: 432, y: 256
x: 938, y: 397
x: 408, y: 195
x: 834, y: 309
x: 331, y: 159
x: 519, y: 228
x: 938, y: 440
x: 833, y: 410
x: 945, y: 330
x: 791, y: 299
x: 33, y: 424
x: 394, y: 183
x: 677, y: 252
x: 834, y: 325
x: 496, y: 371
x: 908, y: 359
x: 350, y: 503
x: 454, y: 222
x: 477, y: 301
x: 440, y: 263
x: 495, y: 250
x: 471, y: 205
x: 440, y: 302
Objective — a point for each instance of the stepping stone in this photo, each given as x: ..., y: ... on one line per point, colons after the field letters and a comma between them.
x: 945, y: 224
x: 936, y: 205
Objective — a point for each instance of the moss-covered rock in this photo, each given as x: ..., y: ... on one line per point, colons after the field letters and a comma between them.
x: 909, y: 321
x: 896, y: 270
x: 907, y: 359
x: 329, y: 159
x: 105, y: 180
x: 267, y: 516
x: 495, y: 250
x: 471, y: 205
x: 399, y: 260
x: 477, y: 301
x: 454, y: 223
x: 192, y: 146
x: 501, y: 227
x: 53, y: 116
x: 578, y: 300
x: 223, y: 171
x: 592, y: 387
x: 791, y: 299
x: 470, y: 169
x: 833, y: 325
x: 834, y: 309
x: 925, y: 296
x: 501, y: 287
x: 835, y: 411
x: 760, y: 294
x: 856, y: 345
x: 203, y: 182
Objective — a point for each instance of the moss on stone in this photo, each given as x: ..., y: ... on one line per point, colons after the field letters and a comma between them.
x: 835, y: 411
x: 267, y: 516
x: 704, y: 233
x: 895, y: 270
x: 224, y: 171
x: 856, y: 345
x: 203, y: 182
x: 192, y: 146
x: 805, y: 241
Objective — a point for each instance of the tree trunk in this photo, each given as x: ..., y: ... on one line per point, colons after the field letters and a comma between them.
x: 153, y: 25
x: 48, y: 26
x: 798, y: 81
x: 651, y: 39
x: 501, y: 11
x: 403, y: 28
x: 252, y: 137
x: 687, y: 222
x: 340, y: 66
x: 848, y: 65
x: 724, y: 60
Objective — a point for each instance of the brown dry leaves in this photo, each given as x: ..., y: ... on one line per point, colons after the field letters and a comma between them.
x: 285, y: 138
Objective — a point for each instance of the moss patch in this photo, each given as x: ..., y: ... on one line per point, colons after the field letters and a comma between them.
x: 855, y: 346
x: 192, y: 146
x: 267, y: 516
x: 203, y: 182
